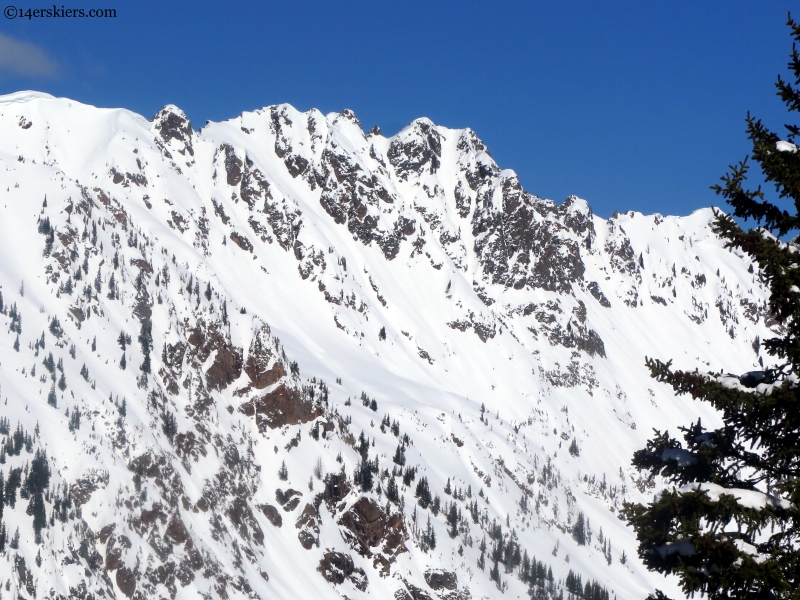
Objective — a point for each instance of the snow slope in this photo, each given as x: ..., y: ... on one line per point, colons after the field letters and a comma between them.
x: 256, y: 265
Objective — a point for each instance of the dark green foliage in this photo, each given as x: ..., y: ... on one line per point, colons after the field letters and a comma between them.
x: 283, y: 472
x: 392, y: 491
x: 146, y: 342
x: 52, y: 400
x: 15, y: 443
x: 573, y: 448
x: 75, y: 419
x: 409, y: 474
x: 49, y: 235
x: 373, y: 405
x: 579, y: 530
x: 62, y: 382
x: 5, y: 426
x: 423, y: 492
x: 452, y: 519
x: 717, y: 546
x: 473, y: 511
x: 400, y: 455
x: 66, y: 287
x: 85, y: 372
x: 13, y: 483
x: 16, y: 319
x: 447, y: 488
x: 494, y: 575
x: 362, y: 476
x: 15, y: 345
x: 168, y: 424
x: 49, y: 363
x: 428, y: 536
x: 37, y: 510
x: 55, y: 327
x: 363, y: 446
x: 590, y: 591
x: 38, y: 474
x: 123, y: 340
x: 382, y: 334
x: 44, y: 226
x: 123, y: 362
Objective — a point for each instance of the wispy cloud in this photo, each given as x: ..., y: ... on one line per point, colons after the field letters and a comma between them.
x: 23, y: 58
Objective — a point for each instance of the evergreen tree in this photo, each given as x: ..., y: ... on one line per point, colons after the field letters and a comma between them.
x: 283, y: 472
x: 728, y: 525
x: 146, y: 342
x: 573, y: 448
x: 423, y: 492
x: 51, y: 397
x: 392, y: 491
x: 400, y: 455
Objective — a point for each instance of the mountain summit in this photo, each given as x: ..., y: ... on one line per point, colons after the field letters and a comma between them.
x: 280, y: 357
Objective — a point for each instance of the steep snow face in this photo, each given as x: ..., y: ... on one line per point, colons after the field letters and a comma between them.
x: 429, y: 350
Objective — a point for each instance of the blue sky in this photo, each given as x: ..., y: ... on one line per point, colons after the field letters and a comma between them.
x: 631, y: 105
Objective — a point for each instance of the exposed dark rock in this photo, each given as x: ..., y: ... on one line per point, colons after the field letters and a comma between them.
x: 241, y: 241
x: 105, y: 532
x: 228, y: 360
x: 412, y: 592
x: 176, y: 530
x: 439, y: 579
x: 233, y: 165
x: 126, y: 581
x: 308, y: 525
x: 243, y: 519
x: 283, y: 406
x: 594, y: 290
x: 420, y: 147
x: 172, y: 124
x: 336, y: 489
x: 272, y: 514
x: 366, y: 527
x: 336, y: 567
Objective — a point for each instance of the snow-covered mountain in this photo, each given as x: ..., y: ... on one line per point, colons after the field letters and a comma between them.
x: 215, y: 342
